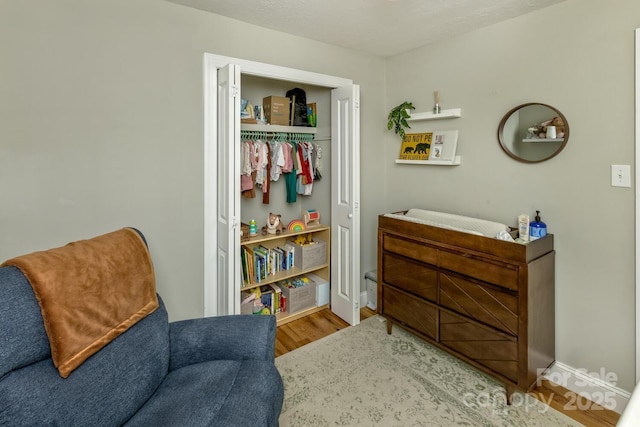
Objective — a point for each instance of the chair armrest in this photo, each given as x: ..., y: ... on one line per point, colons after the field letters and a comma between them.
x: 234, y: 337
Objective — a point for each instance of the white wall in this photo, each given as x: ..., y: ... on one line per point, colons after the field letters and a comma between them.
x: 577, y: 56
x: 101, y: 124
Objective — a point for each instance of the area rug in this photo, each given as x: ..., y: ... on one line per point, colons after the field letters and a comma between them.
x: 361, y: 376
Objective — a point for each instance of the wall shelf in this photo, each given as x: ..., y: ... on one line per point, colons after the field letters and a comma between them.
x: 543, y: 140
x: 455, y: 162
x: 444, y: 114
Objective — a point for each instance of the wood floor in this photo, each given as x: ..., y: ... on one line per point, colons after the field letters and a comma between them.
x: 318, y: 325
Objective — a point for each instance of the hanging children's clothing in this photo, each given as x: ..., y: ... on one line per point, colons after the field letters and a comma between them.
x: 265, y: 161
x: 305, y: 171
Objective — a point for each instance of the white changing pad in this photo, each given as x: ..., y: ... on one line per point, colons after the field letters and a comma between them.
x: 466, y: 224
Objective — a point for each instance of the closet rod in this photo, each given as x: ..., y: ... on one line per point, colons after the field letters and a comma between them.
x: 282, y: 136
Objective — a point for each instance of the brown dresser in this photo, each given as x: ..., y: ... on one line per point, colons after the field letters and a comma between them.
x: 489, y: 302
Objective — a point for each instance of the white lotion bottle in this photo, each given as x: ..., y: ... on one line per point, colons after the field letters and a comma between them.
x: 523, y: 227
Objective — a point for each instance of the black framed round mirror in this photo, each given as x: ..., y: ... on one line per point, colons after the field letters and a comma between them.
x: 533, y: 132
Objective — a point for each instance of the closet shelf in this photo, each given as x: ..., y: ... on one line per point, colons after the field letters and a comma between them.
x: 444, y: 114
x: 278, y: 128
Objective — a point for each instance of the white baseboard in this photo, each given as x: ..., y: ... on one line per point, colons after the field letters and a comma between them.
x: 596, y: 387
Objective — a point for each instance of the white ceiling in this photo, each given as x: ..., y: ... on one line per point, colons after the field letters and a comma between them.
x: 380, y: 27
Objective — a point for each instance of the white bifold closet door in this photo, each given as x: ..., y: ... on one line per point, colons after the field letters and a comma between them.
x: 222, y: 281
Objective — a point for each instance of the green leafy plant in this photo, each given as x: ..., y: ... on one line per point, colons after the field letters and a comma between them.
x: 398, y: 118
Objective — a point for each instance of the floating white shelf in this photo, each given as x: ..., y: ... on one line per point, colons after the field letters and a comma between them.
x: 543, y: 140
x: 457, y: 160
x: 277, y: 128
x: 444, y: 114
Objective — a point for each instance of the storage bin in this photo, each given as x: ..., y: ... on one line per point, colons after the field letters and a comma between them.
x: 310, y: 256
x: 248, y: 307
x: 276, y: 110
x: 244, y: 232
x: 299, y: 298
x: 322, y: 289
x: 371, y: 278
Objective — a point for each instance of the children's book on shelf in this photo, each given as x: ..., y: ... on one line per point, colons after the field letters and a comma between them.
x: 312, y: 114
x: 248, y: 267
x: 260, y: 262
x: 277, y: 298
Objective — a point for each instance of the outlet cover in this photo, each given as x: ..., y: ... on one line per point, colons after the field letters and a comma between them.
x: 620, y: 175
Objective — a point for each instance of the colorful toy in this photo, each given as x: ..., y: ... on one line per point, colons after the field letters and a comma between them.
x: 304, y: 239
x: 311, y: 218
x: 296, y: 225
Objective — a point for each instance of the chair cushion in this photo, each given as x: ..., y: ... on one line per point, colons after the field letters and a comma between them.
x: 20, y: 312
x: 216, y: 393
x: 105, y: 390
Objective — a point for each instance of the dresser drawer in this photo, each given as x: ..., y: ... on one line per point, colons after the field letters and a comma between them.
x: 497, y: 352
x: 483, y: 303
x: 413, y: 277
x: 501, y: 274
x: 409, y: 310
x: 415, y: 250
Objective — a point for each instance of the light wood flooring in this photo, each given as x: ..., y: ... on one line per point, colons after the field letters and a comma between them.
x: 318, y: 325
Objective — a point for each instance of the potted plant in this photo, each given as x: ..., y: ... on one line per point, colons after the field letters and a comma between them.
x: 397, y: 118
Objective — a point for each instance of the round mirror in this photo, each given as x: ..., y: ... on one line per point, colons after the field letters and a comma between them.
x: 533, y: 132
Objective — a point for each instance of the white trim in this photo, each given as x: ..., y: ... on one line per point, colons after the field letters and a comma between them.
x: 592, y: 387
x: 210, y: 154
x: 212, y: 63
x: 637, y: 162
x: 278, y: 72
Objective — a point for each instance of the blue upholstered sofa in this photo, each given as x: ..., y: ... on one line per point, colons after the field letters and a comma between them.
x: 216, y: 371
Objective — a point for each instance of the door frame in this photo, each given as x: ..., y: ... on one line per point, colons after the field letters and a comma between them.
x: 637, y: 196
x: 212, y: 63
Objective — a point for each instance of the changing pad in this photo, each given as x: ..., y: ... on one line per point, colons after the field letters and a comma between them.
x: 465, y: 224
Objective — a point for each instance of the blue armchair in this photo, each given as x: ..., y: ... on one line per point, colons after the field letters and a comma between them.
x: 216, y: 371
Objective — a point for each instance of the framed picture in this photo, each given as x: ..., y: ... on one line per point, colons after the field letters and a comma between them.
x: 444, y: 145
x: 434, y: 146
x: 416, y: 146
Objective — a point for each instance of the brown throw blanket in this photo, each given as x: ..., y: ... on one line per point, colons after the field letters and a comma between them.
x: 90, y: 292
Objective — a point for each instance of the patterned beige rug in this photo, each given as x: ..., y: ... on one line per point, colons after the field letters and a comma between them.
x: 361, y: 376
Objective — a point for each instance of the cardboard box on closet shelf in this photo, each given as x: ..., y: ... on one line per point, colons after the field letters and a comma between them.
x: 276, y: 110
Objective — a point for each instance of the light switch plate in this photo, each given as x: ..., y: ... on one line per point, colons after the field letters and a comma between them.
x: 620, y: 175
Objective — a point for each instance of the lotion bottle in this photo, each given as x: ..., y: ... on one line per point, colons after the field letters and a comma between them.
x: 523, y: 227
x: 537, y: 228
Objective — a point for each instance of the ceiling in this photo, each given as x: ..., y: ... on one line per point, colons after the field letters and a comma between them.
x: 379, y: 27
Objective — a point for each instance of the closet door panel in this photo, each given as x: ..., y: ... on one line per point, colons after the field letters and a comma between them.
x: 345, y: 203
x: 228, y: 204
